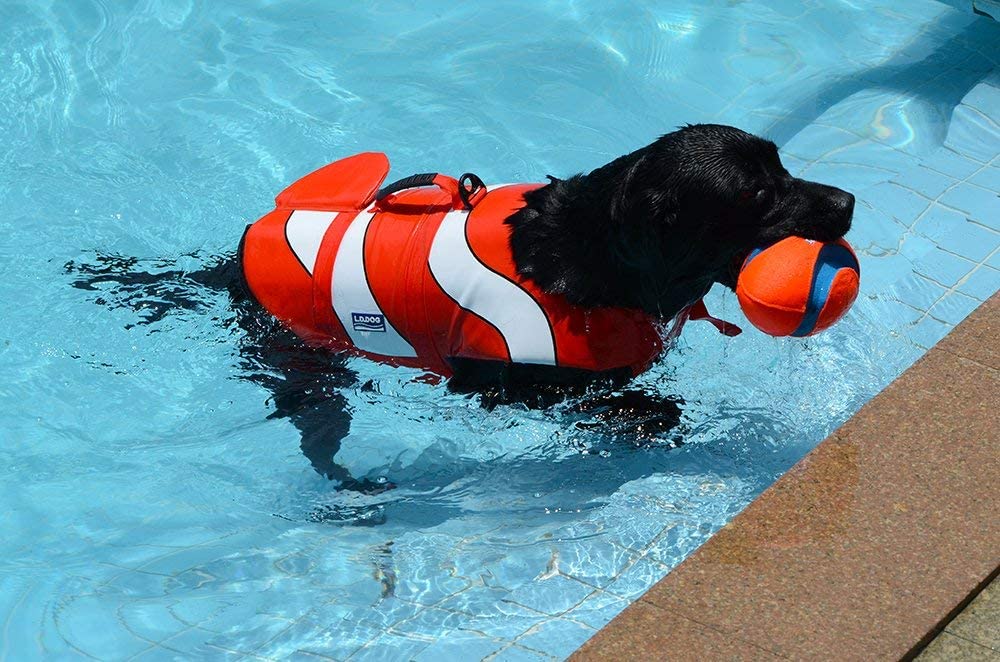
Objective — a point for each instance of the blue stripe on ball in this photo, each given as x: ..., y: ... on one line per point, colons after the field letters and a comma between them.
x: 754, y: 253
x: 831, y: 259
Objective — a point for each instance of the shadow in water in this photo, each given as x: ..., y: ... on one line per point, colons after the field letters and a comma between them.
x: 941, y: 79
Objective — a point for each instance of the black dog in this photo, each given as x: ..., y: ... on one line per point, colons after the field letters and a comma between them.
x: 652, y: 230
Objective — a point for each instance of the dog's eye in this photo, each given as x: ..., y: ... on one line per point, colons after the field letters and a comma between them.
x: 758, y: 198
x: 763, y: 198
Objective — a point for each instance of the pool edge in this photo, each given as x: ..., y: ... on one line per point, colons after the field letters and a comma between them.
x: 866, y: 548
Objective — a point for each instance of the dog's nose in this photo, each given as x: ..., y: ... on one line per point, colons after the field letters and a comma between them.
x: 843, y: 203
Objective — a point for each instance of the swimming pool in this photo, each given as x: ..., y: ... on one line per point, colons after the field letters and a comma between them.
x: 152, y: 504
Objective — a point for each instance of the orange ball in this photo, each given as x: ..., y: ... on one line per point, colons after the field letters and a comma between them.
x: 798, y: 287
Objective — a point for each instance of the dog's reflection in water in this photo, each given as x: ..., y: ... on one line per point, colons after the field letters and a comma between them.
x: 307, y: 384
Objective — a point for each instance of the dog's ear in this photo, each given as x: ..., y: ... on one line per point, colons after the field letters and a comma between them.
x: 642, y: 206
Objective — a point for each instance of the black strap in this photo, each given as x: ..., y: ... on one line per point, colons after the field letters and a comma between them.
x: 424, y: 179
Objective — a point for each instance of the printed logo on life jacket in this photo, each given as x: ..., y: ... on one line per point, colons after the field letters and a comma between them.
x: 368, y: 322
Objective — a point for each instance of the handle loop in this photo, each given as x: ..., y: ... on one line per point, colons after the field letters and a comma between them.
x: 465, y: 192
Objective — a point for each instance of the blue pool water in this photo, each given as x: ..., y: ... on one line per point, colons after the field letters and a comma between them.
x: 152, y: 504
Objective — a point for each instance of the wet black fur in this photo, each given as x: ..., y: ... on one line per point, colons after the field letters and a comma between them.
x: 656, y: 228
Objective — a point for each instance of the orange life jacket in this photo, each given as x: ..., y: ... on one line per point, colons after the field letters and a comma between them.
x: 418, y: 276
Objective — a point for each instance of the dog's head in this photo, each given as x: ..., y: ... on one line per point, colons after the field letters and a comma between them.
x: 742, y: 178
x: 708, y: 194
x: 656, y: 228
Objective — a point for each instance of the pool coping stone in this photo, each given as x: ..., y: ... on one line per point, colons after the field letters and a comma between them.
x: 865, y: 549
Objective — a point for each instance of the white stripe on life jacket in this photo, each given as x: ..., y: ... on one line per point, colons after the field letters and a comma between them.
x: 489, y: 295
x: 353, y: 302
x: 304, y: 232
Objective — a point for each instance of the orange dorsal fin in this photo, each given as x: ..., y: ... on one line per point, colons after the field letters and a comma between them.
x: 345, y: 185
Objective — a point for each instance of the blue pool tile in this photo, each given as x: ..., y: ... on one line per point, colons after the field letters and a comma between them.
x: 988, y: 178
x: 598, y: 609
x: 848, y: 176
x: 981, y: 283
x: 914, y: 246
x: 928, y: 331
x: 942, y: 267
x: 230, y: 616
x: 985, y: 98
x: 971, y: 240
x: 429, y: 622
x: 954, y: 308
x: 925, y: 181
x: 311, y: 637
x: 140, y: 584
x: 150, y: 620
x: 502, y: 626
x: 90, y: 624
x: 305, y: 656
x: 981, y: 205
x: 551, y: 596
x: 636, y: 530
x: 950, y: 163
x: 637, y: 579
x: 888, y: 161
x: 558, y: 637
x: 250, y: 634
x: 460, y: 646
x: 184, y: 559
x: 337, y: 642
x: 436, y: 585
x: 155, y: 653
x: 390, y: 647
x: 474, y: 600
x: 874, y: 233
x: 918, y: 293
x: 197, y: 610
x: 973, y: 134
x: 596, y: 563
x: 793, y: 164
x: 899, y: 202
x: 382, y: 616
x: 953, y: 232
x: 329, y: 614
x: 515, y: 653
x: 193, y: 644
x: 814, y: 142
x: 939, y: 223
x: 510, y: 570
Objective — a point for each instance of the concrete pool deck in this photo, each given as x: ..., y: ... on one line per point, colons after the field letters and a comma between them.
x: 867, y: 548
